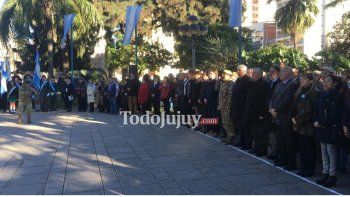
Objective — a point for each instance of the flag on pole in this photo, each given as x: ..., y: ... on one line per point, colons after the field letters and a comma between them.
x: 132, y: 18
x: 68, y: 22
x: 235, y: 13
x: 4, y: 77
x: 8, y: 69
x: 37, y: 71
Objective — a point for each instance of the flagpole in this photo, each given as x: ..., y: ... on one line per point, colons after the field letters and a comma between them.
x: 71, y: 54
x: 240, y: 45
x: 136, y: 59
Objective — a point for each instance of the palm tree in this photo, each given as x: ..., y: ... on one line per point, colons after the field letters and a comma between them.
x: 39, y: 22
x: 295, y: 17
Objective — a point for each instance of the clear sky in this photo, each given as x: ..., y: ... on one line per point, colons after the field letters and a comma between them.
x: 1, y: 2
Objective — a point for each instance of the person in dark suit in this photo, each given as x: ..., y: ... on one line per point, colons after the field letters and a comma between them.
x: 211, y: 100
x: 69, y: 94
x: 132, y: 89
x: 45, y: 92
x: 156, y: 95
x: 274, y: 79
x: 188, y: 93
x: 280, y: 108
x: 82, y: 95
x: 239, y: 99
x: 256, y: 112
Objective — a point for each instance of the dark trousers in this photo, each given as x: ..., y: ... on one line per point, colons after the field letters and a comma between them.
x: 260, y: 139
x: 307, y: 153
x: 212, y: 113
x: 243, y: 137
x: 52, y: 101
x: 3, y: 102
x: 44, y: 102
x: 166, y: 105
x: 156, y: 105
x: 186, y: 107
x: 69, y: 104
x: 92, y: 107
x: 82, y: 103
x: 63, y: 97
x: 177, y: 104
x: 145, y: 107
x: 286, y: 145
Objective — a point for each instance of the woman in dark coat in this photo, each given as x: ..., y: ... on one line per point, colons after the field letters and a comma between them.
x: 327, y: 121
x: 303, y: 107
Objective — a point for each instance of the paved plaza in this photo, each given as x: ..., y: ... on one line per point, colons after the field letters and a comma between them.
x: 82, y: 153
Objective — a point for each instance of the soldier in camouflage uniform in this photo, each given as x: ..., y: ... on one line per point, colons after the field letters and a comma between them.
x: 25, y: 100
x: 225, y: 94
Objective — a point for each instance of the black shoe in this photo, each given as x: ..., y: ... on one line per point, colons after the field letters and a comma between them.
x: 251, y: 152
x: 322, y: 179
x: 290, y: 168
x: 245, y: 148
x: 272, y: 157
x: 330, y: 182
x: 197, y: 129
x: 280, y: 164
x: 260, y: 154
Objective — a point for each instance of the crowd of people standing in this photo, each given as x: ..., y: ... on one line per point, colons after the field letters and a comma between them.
x: 279, y: 114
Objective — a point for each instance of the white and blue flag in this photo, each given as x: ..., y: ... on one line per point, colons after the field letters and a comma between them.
x: 68, y: 23
x: 36, y: 77
x: 235, y: 13
x: 132, y: 18
x: 4, y: 77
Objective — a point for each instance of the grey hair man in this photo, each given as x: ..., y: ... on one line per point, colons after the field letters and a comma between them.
x: 239, y: 99
x: 256, y: 112
x: 280, y: 108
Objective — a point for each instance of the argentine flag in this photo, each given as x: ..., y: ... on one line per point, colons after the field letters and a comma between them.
x: 132, y: 18
x: 4, y: 77
x: 235, y: 13
x: 37, y: 71
x: 68, y: 22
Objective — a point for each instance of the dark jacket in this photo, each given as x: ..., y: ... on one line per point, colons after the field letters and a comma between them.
x: 346, y: 111
x: 80, y: 90
x: 327, y: 113
x: 45, y: 87
x: 69, y: 90
x: 256, y: 105
x: 239, y: 96
x: 211, y: 94
x: 303, y: 108
x: 112, y: 90
x: 155, y: 90
x: 132, y: 87
x: 282, y: 102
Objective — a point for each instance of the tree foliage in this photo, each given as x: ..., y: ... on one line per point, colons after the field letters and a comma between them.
x: 150, y: 55
x: 296, y: 16
x: 276, y: 54
x: 39, y: 24
x: 337, y: 53
x: 217, y: 50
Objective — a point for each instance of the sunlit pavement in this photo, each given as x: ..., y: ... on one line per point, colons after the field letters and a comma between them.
x: 82, y: 153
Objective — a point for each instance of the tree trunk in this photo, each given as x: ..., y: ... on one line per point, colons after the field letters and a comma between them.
x: 50, y: 34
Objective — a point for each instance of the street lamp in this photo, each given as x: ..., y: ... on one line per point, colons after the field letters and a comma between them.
x: 193, y: 28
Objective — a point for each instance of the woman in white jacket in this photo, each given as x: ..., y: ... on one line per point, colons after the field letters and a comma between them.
x: 91, y: 90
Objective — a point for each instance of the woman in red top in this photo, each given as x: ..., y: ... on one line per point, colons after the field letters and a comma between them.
x: 144, y: 97
x: 165, y: 90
